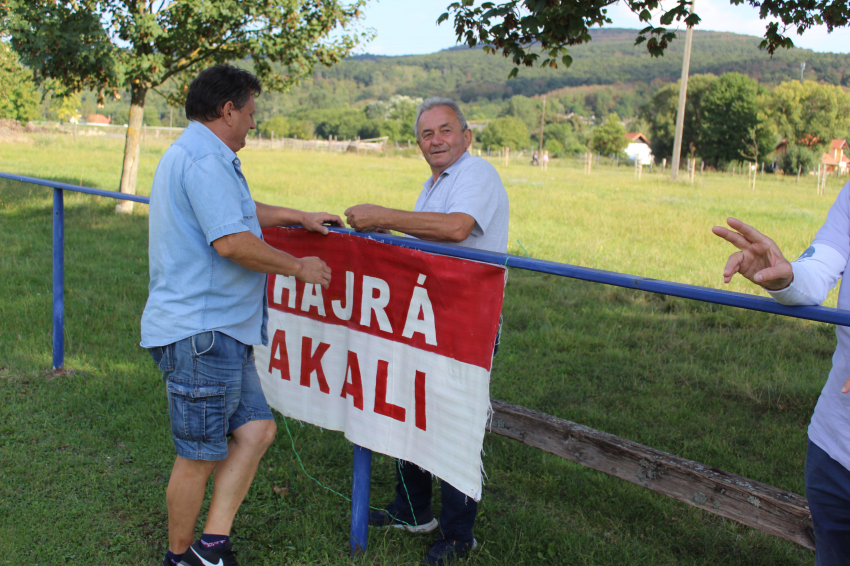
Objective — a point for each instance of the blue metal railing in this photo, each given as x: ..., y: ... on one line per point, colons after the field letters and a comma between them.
x: 362, y: 457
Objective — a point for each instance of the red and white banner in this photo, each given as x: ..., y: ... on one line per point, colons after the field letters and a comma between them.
x: 396, y: 353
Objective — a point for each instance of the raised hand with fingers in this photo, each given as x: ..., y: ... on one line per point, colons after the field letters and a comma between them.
x: 759, y: 259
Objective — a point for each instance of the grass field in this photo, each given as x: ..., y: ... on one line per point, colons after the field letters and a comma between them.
x: 84, y: 458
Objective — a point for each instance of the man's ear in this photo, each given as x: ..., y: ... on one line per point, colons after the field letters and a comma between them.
x: 227, y: 112
x: 467, y: 137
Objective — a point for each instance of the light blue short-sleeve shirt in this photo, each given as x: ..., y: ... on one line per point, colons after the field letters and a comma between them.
x: 199, y: 194
x: 472, y: 186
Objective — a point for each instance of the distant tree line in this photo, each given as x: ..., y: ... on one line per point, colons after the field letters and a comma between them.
x: 729, y: 117
x: 732, y: 118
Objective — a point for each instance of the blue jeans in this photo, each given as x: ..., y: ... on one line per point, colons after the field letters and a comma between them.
x: 413, y: 495
x: 413, y: 490
x: 828, y: 492
x: 213, y: 389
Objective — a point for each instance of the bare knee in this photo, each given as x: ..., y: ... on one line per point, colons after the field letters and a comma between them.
x: 267, y: 435
x: 259, y: 435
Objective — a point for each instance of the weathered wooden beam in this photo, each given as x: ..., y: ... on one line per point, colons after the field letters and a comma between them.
x: 749, y: 502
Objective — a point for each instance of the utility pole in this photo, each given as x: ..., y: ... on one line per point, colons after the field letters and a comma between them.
x: 542, y: 123
x: 683, y: 91
x: 802, y: 69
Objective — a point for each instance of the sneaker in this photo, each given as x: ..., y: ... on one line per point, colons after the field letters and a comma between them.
x: 197, y: 555
x: 448, y: 551
x: 387, y: 518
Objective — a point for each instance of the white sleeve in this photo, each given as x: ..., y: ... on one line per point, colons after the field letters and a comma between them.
x: 815, y: 273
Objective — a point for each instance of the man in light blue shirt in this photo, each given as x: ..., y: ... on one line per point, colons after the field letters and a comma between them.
x: 207, y: 307
x: 463, y: 203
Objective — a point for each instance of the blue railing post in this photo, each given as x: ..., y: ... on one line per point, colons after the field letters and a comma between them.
x: 58, y: 279
x: 360, y: 499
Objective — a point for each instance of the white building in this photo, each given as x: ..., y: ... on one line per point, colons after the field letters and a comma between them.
x: 638, y: 148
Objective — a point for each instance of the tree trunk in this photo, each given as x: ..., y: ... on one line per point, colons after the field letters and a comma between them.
x: 132, y: 148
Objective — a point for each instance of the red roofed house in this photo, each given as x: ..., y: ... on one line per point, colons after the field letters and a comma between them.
x: 638, y: 148
x: 98, y: 119
x: 836, y: 162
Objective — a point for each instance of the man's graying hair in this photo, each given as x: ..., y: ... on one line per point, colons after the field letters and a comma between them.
x: 434, y: 102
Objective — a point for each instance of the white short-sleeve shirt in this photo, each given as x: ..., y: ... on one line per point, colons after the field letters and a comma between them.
x: 472, y: 186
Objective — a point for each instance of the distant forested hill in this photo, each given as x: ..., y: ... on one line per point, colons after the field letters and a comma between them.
x: 610, y: 59
x: 610, y: 74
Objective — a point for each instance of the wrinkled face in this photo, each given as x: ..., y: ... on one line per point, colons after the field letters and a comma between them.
x: 441, y: 138
x: 242, y: 123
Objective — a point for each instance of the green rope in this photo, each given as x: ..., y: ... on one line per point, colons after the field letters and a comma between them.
x: 292, y: 441
x: 300, y: 463
x: 523, y: 248
x: 409, y: 502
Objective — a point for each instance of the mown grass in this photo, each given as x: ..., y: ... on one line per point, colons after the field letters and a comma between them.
x: 84, y: 458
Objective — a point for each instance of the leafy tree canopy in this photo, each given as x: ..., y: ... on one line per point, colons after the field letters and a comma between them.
x: 276, y: 126
x: 734, y: 125
x: 512, y: 26
x: 395, y: 116
x: 524, y: 109
x: 660, y: 116
x: 17, y: 95
x: 109, y: 45
x: 610, y: 137
x: 810, y: 114
x: 506, y: 131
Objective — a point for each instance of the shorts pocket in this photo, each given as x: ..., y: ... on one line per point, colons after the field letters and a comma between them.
x: 203, y: 343
x: 197, y: 411
x: 162, y: 357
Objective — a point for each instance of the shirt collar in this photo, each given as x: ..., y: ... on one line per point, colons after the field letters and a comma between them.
x: 199, y: 129
x: 429, y: 184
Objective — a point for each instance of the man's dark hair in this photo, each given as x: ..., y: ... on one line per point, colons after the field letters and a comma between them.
x: 214, y: 87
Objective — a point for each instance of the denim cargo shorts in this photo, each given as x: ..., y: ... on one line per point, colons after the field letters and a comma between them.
x: 213, y: 389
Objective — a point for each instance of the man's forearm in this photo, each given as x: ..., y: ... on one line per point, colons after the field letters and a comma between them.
x: 269, y: 215
x: 434, y: 226
x: 252, y: 253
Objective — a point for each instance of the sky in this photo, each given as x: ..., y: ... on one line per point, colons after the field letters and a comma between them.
x: 408, y: 27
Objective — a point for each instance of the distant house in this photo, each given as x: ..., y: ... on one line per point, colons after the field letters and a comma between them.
x: 807, y: 140
x: 98, y: 119
x: 835, y: 161
x: 638, y: 148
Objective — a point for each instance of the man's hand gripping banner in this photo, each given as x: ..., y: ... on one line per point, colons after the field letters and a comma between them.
x: 396, y: 353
